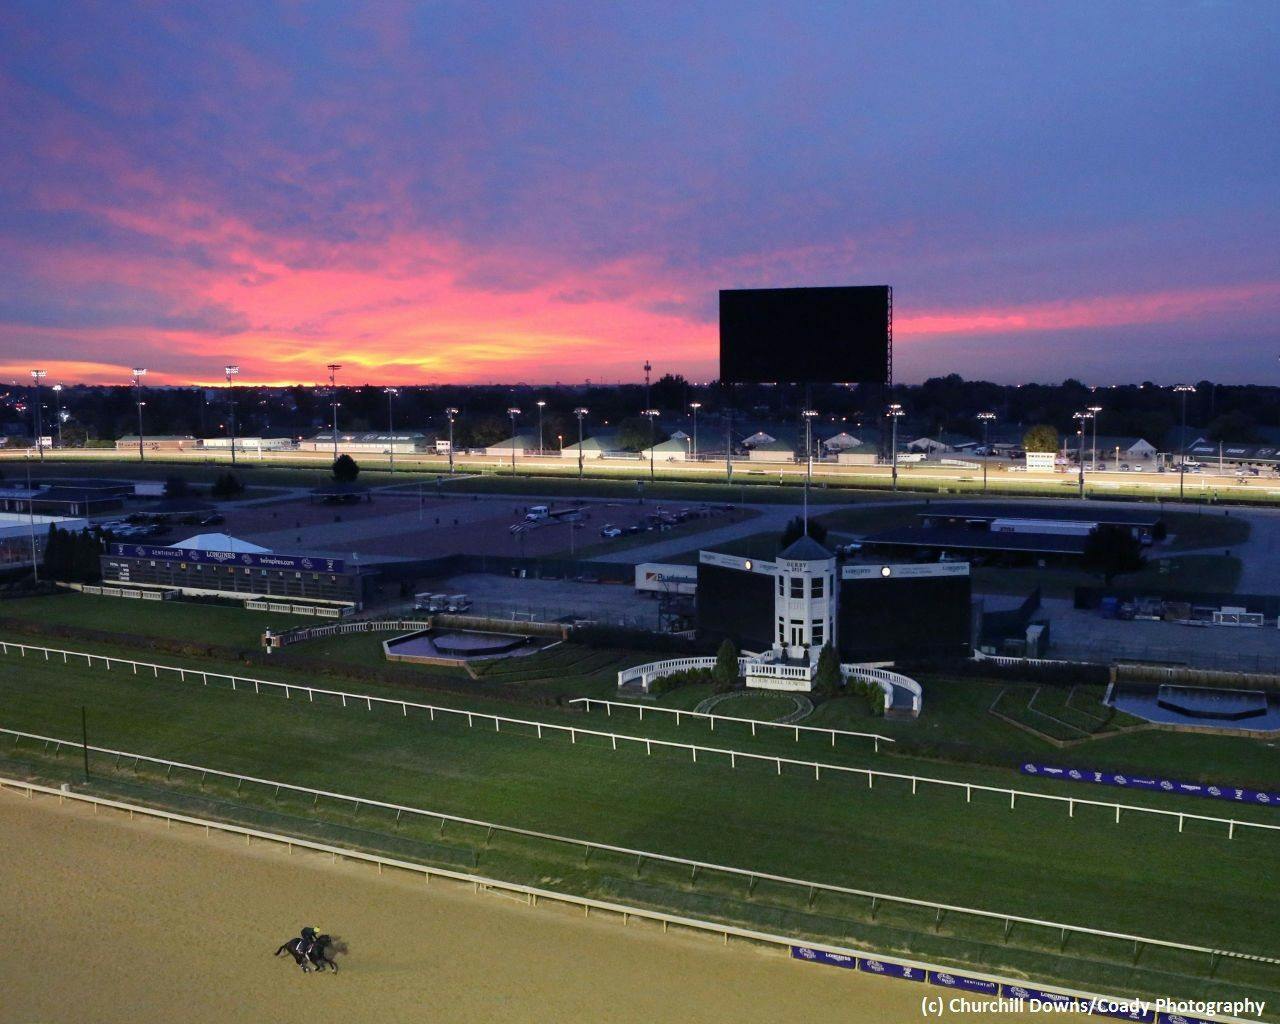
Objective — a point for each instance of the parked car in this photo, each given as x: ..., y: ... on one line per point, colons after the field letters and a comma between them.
x: 609, y: 531
x: 213, y: 519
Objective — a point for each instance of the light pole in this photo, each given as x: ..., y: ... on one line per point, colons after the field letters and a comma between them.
x: 652, y: 415
x: 1081, y: 417
x: 333, y: 369
x: 986, y: 419
x: 57, y: 393
x: 391, y: 428
x: 513, y: 412
x: 37, y: 376
x: 1183, y: 390
x: 450, y: 413
x: 1093, y: 410
x: 580, y: 412
x: 695, y: 406
x: 808, y: 415
x: 138, y: 373
x: 231, y: 371
x: 894, y: 413
x: 540, y: 404
x: 647, y: 369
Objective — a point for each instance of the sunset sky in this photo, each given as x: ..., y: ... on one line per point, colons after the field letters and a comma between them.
x: 536, y: 192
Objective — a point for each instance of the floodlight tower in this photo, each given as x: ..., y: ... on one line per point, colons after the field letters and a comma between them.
x: 652, y: 415
x: 986, y: 419
x: 541, y: 405
x: 1093, y: 410
x: 231, y: 370
x: 513, y: 412
x: 580, y: 412
x: 1081, y: 418
x: 391, y: 428
x: 647, y: 370
x: 333, y: 369
x: 450, y: 413
x: 37, y: 376
x: 695, y: 406
x: 808, y: 415
x: 895, y: 412
x: 138, y: 373
x: 1184, y: 390
x: 57, y: 392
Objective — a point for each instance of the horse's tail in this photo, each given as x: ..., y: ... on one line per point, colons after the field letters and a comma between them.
x: 284, y: 948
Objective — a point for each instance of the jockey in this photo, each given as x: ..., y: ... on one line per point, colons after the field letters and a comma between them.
x: 309, y: 935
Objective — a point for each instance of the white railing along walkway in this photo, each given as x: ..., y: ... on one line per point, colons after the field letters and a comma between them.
x: 679, y: 713
x: 642, y: 855
x: 887, y: 680
x: 531, y: 893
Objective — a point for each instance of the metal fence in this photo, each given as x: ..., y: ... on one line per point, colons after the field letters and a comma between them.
x: 752, y: 877
x: 574, y: 732
x: 1009, y: 988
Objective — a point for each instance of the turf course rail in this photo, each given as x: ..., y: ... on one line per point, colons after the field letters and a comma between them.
x: 574, y: 732
x: 532, y: 894
x: 1009, y: 920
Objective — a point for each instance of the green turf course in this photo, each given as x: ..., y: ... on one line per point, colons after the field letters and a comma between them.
x: 933, y: 846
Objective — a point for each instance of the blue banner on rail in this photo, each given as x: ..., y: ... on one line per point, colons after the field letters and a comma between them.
x: 1212, y: 792
x: 948, y: 980
x: 891, y: 970
x: 821, y: 956
x: 306, y: 563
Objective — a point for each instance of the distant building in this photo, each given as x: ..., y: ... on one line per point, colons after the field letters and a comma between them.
x: 598, y: 446
x: 1131, y: 449
x: 670, y: 450
x: 523, y: 444
x: 158, y: 442
x: 861, y: 455
x: 369, y: 442
x: 22, y: 535
x: 251, y: 444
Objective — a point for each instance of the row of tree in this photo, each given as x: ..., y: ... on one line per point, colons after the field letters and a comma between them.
x: 72, y: 556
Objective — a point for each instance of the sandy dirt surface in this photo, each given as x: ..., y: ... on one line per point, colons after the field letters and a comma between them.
x: 109, y: 920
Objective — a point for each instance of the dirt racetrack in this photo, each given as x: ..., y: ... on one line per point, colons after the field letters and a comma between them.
x: 109, y: 920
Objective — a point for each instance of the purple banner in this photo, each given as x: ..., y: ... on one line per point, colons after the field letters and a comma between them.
x: 304, y: 563
x: 1147, y: 782
x: 1177, y: 1018
x: 948, y: 980
x: 891, y: 970
x: 821, y: 956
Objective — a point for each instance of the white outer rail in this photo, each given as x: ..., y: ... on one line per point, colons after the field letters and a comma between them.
x: 939, y: 908
x: 533, y: 894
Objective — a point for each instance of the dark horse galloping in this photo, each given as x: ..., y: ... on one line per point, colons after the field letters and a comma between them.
x: 317, y: 956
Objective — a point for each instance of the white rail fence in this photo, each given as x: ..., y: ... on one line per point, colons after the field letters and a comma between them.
x: 680, y: 713
x: 733, y: 756
x: 530, y: 893
x: 752, y: 877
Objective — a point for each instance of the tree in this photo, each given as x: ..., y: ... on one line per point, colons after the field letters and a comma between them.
x: 634, y: 433
x: 226, y: 486
x: 725, y: 673
x: 1112, y: 550
x: 1041, y: 438
x: 345, y: 469
x: 827, y: 677
x: 795, y: 530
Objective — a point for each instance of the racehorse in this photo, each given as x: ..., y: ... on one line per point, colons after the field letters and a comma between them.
x: 317, y: 956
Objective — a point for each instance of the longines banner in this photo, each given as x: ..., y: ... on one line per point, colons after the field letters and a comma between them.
x: 1208, y: 790
x: 305, y: 563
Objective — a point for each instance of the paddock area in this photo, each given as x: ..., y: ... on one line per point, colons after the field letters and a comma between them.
x: 129, y: 921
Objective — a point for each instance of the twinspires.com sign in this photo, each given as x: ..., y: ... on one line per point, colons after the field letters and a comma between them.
x: 1209, y: 790
x: 307, y: 563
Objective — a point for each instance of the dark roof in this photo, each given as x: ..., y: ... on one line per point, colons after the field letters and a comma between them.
x: 1090, y: 512
x: 806, y: 549
x: 959, y: 538
x: 177, y: 507
x: 336, y: 487
x: 71, y: 494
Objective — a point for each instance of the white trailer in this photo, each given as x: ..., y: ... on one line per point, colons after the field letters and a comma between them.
x: 1056, y: 527
x: 666, y: 578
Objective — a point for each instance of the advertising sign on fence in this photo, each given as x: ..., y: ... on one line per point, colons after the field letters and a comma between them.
x: 821, y: 956
x: 310, y: 563
x: 948, y: 980
x: 1208, y: 790
x: 891, y: 970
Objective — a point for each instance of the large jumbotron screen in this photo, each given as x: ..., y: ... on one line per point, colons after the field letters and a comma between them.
x: 736, y: 603
x: 905, y: 616
x: 806, y: 335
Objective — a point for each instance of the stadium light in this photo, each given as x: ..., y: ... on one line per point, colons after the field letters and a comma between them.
x: 57, y: 392
x: 894, y: 412
x: 652, y: 414
x: 333, y: 369
x: 513, y: 412
x: 1081, y: 417
x: 809, y: 415
x: 1183, y: 389
x: 580, y: 412
x: 695, y: 406
x: 450, y: 413
x: 391, y: 428
x: 231, y: 370
x: 986, y: 419
x: 1095, y: 409
x: 541, y: 405
x: 138, y: 373
x: 37, y: 376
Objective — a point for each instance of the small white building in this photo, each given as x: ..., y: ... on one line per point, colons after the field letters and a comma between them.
x: 598, y: 446
x: 250, y: 444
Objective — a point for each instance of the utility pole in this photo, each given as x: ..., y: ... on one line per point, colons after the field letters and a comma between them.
x: 895, y: 412
x: 1094, y: 410
x: 138, y: 373
x: 333, y: 399
x: 541, y: 405
x: 647, y: 369
x: 652, y: 414
x: 580, y: 412
x: 513, y: 412
x: 1080, y: 418
x: 450, y: 413
x: 391, y: 428
x: 986, y: 418
x: 1184, y: 390
x: 231, y: 370
x: 695, y: 406
x: 57, y: 393
x: 37, y: 376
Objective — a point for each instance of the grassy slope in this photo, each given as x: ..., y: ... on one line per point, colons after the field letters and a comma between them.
x: 1026, y: 862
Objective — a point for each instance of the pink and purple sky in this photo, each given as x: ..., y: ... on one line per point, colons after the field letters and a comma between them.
x: 465, y: 192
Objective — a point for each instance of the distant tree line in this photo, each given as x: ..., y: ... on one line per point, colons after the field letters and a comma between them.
x: 72, y: 556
